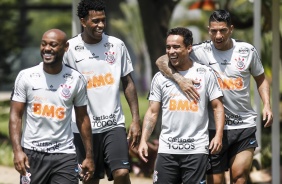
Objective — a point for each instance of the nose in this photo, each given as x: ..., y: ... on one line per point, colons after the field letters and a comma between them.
x: 218, y: 34
x: 101, y: 24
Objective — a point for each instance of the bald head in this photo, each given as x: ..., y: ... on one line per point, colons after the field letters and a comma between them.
x: 53, y: 46
x: 57, y: 34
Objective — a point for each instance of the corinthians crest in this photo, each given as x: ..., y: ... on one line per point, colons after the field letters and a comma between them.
x: 110, y: 57
x: 240, y: 63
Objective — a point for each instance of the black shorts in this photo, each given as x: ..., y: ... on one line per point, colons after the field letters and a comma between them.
x: 52, y: 168
x: 177, y: 169
x: 233, y: 142
x: 110, y: 152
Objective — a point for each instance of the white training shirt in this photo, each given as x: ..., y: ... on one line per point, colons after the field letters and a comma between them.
x: 184, y: 127
x: 102, y: 64
x: 234, y: 68
x: 49, y: 101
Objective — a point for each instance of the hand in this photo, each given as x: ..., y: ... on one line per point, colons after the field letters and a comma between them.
x: 143, y: 151
x: 187, y: 87
x: 21, y: 162
x: 88, y: 169
x: 134, y: 133
x: 215, y: 145
x: 267, y: 117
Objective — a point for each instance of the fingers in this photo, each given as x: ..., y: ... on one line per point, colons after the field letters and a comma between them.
x: 215, y: 148
x: 143, y: 153
x: 268, y: 120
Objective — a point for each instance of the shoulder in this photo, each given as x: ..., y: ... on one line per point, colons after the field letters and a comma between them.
x: 206, y: 45
x: 111, y: 41
x: 243, y: 48
x: 201, y: 67
x: 74, y: 39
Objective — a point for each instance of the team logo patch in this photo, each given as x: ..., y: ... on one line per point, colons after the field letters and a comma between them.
x: 240, y: 63
x: 201, y: 70
x: 68, y: 77
x: 155, y: 176
x: 244, y: 51
x: 207, y: 48
x: 35, y: 75
x: 66, y: 93
x: 108, y: 45
x: 197, y: 84
x: 79, y: 48
x: 110, y: 57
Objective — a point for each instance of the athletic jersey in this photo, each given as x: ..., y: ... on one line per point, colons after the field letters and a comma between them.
x: 102, y: 64
x: 234, y: 68
x: 184, y: 127
x: 49, y: 101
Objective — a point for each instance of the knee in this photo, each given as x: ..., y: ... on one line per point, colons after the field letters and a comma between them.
x: 121, y: 173
x: 240, y: 178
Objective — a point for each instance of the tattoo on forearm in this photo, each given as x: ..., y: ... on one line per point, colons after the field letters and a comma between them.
x: 149, y: 127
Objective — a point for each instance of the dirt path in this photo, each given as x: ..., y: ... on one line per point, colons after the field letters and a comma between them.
x: 8, y: 175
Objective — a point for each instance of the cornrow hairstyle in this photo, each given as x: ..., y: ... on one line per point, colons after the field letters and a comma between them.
x: 85, y: 6
x: 186, y: 33
x: 221, y: 16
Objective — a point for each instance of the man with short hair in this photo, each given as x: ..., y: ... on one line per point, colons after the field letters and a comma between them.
x: 234, y: 62
x: 184, y: 141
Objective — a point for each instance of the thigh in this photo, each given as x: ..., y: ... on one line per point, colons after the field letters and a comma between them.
x: 241, y: 139
x: 64, y: 169
x: 193, y: 168
x: 167, y: 170
x: 116, y: 151
x: 97, y: 148
x: 218, y: 163
x: 40, y: 167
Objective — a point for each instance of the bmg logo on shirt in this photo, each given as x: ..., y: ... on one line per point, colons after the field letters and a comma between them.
x: 50, y: 111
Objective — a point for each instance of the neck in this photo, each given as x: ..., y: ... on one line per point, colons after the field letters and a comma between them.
x: 52, y: 69
x: 186, y: 66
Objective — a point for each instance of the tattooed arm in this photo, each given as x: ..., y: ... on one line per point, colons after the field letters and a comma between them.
x: 149, y: 124
x: 263, y: 89
x: 219, y: 118
x: 185, y: 84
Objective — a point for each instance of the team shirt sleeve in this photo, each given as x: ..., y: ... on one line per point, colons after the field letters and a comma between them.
x: 256, y: 65
x: 81, y: 96
x: 126, y: 63
x: 155, y: 90
x: 213, y: 88
x: 19, y: 93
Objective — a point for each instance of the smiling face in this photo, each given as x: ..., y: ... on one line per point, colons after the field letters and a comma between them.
x: 53, y: 46
x: 177, y: 52
x: 220, y: 34
x: 94, y: 25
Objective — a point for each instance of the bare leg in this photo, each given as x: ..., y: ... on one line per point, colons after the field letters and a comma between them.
x: 121, y: 176
x: 215, y: 178
x: 241, y: 166
x: 92, y: 181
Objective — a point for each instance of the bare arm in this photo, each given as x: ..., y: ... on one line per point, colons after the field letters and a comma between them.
x: 263, y: 89
x: 149, y: 124
x: 186, y: 85
x: 219, y: 118
x: 132, y: 100
x: 15, y: 131
x: 84, y: 127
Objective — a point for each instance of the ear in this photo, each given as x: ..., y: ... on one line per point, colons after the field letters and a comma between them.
x: 231, y: 28
x: 83, y: 22
x: 66, y: 46
x: 189, y: 48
